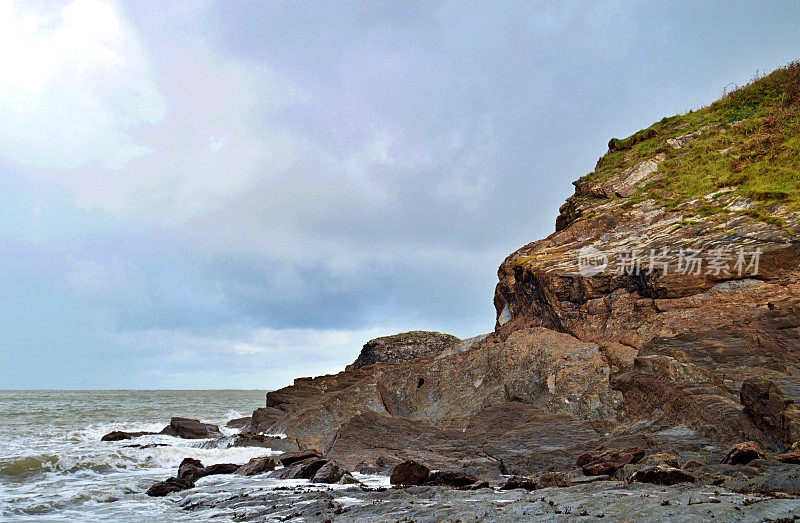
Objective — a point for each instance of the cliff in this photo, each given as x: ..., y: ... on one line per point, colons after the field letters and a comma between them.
x: 664, y: 312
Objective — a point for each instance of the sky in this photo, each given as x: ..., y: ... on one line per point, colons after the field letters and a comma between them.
x: 199, y: 194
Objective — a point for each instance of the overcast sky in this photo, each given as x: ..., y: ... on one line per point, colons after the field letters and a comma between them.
x: 229, y: 195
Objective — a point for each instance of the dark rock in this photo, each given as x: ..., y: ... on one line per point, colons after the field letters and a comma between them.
x: 409, y: 473
x: 792, y: 457
x: 221, y: 468
x: 403, y: 347
x: 263, y: 419
x: 118, y: 435
x: 330, y: 472
x: 162, y: 488
x: 260, y: 440
x: 662, y: 458
x: 191, y: 470
x: 743, y: 453
x: 305, y: 469
x: 662, y: 475
x: 450, y: 478
x: 348, y: 479
x: 191, y: 429
x: 238, y: 423
x: 771, y: 411
x: 523, y: 482
x: 257, y: 466
x: 599, y: 462
x: 290, y: 458
x: 553, y: 479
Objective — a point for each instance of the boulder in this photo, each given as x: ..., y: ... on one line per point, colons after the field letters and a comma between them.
x: 607, y: 462
x: 348, y: 479
x: 743, y: 453
x: 403, y: 347
x: 770, y: 409
x: 553, y: 479
x: 662, y: 475
x: 793, y: 457
x: 409, y: 473
x: 305, y: 469
x: 162, y: 488
x: 290, y: 458
x: 191, y: 429
x: 238, y: 423
x: 523, y: 482
x: 191, y: 470
x: 330, y: 472
x: 450, y: 478
x: 118, y: 435
x: 257, y: 466
x: 662, y: 458
x: 221, y: 468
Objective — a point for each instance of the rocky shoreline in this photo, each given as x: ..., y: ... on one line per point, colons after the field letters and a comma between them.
x: 632, y: 387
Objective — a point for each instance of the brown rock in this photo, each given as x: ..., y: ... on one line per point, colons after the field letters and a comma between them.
x: 403, y: 347
x: 191, y: 429
x: 330, y: 472
x: 409, y: 473
x: 257, y: 465
x: 290, y: 458
x: 662, y: 475
x: 743, y: 453
x: 238, y: 423
x: 450, y: 478
x: 118, y: 435
x: 162, y: 488
x: 190, y: 470
x: 662, y: 458
x: 793, y: 457
x: 221, y: 468
x: 305, y: 469
x: 599, y: 462
x: 553, y: 479
x: 771, y: 411
x: 523, y: 482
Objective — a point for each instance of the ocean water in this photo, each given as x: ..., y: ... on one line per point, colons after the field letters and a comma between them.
x: 53, y: 466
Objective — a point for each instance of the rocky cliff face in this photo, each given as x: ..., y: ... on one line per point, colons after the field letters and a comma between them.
x: 403, y: 347
x: 663, y: 312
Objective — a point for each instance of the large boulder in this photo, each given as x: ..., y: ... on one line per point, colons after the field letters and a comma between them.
x: 162, y: 488
x: 191, y: 429
x: 290, y: 458
x: 191, y: 470
x: 770, y: 409
x: 402, y: 347
x: 662, y: 475
x: 743, y: 453
x: 257, y: 465
x: 409, y: 473
x: 599, y: 462
x: 330, y: 472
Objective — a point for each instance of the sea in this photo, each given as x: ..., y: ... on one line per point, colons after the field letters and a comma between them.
x: 53, y: 466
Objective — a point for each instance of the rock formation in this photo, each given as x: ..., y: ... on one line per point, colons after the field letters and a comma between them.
x: 663, y: 315
x: 403, y: 347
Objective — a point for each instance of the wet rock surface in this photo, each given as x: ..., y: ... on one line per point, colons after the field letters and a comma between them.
x: 191, y: 429
x: 606, y: 500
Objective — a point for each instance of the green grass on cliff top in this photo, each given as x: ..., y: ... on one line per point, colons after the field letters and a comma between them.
x: 749, y: 142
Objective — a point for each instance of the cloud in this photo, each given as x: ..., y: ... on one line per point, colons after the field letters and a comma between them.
x: 76, y: 81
